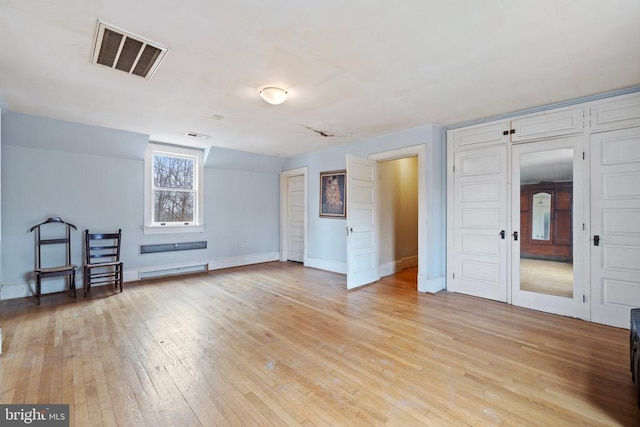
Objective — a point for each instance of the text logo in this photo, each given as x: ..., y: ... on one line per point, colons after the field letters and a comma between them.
x: 34, y: 415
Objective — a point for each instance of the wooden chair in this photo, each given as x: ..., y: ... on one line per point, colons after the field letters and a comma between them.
x: 60, y: 269
x: 102, y: 259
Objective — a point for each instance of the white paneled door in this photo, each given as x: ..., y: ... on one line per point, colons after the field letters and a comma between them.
x: 480, y: 223
x: 615, y: 226
x: 361, y: 222
x: 295, y: 218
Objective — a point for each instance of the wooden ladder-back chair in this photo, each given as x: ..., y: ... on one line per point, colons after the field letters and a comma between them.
x: 60, y: 269
x: 102, y: 259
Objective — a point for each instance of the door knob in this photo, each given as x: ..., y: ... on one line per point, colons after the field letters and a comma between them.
x: 596, y: 240
x: 502, y: 234
x: 515, y: 235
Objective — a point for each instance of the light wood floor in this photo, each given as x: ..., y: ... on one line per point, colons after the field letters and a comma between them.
x: 278, y: 344
x: 547, y: 277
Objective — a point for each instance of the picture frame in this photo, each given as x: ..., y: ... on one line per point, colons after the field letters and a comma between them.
x: 333, y: 194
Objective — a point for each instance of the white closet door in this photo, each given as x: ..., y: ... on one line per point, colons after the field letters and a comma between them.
x: 548, y: 161
x: 480, y: 223
x: 295, y: 218
x: 615, y: 226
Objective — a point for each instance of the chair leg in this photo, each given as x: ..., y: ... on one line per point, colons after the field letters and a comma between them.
x: 73, y: 283
x: 120, y: 276
x: 85, y: 281
x: 38, y: 288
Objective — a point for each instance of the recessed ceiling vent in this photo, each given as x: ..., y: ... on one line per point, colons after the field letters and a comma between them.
x: 196, y: 135
x: 117, y: 49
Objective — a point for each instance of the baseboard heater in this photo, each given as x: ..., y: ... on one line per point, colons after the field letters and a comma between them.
x: 172, y: 271
x: 171, y: 247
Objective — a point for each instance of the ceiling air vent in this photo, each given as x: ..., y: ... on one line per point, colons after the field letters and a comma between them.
x: 126, y: 52
x: 196, y: 135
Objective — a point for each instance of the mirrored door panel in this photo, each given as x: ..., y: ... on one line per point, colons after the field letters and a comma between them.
x: 544, y: 198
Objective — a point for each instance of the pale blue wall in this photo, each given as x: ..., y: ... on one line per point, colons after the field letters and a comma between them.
x: 327, y: 237
x: 93, y: 177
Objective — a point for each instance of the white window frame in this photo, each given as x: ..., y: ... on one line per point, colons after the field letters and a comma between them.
x: 197, y: 226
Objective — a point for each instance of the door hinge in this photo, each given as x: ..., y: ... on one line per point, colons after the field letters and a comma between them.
x: 453, y: 275
x: 583, y: 227
x: 583, y: 157
x: 584, y: 298
x: 454, y: 168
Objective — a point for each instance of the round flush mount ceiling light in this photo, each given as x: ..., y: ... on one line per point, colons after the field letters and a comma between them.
x: 273, y: 95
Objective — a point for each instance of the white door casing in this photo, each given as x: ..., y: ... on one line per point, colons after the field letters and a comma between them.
x: 575, y: 306
x: 615, y: 219
x: 362, y: 253
x: 419, y: 151
x: 480, y: 223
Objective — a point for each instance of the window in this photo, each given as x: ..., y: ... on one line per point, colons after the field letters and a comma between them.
x: 173, y: 189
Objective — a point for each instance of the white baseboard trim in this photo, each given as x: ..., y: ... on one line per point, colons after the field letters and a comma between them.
x: 239, y: 261
x: 130, y: 275
x: 409, y: 262
x: 430, y: 284
x: 389, y: 268
x: 24, y: 289
x: 17, y: 290
x: 323, y: 264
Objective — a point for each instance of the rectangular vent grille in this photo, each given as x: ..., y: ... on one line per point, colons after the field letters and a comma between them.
x: 117, y: 49
x: 171, y: 247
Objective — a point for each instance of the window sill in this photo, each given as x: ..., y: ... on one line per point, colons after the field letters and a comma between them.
x: 173, y: 229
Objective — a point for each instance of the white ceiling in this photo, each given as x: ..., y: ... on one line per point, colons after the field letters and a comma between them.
x: 353, y: 69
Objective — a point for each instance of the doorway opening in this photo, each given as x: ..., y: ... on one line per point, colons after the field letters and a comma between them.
x: 398, y: 215
x: 411, y: 155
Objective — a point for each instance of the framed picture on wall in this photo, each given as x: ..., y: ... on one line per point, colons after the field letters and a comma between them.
x: 333, y: 195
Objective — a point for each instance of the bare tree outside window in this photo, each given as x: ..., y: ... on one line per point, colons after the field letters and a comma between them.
x: 174, y: 194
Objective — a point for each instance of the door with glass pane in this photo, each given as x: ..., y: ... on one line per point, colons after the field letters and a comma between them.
x: 547, y: 226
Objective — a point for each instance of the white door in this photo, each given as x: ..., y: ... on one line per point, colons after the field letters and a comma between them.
x: 295, y: 218
x: 541, y: 279
x: 480, y: 223
x: 362, y: 263
x: 615, y: 226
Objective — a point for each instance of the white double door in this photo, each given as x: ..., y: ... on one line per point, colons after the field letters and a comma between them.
x: 605, y: 222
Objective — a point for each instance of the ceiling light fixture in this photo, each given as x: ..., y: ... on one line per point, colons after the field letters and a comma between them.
x: 273, y: 95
